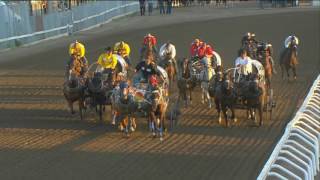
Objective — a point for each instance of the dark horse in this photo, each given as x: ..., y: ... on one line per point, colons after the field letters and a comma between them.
x: 100, y: 89
x: 254, y: 97
x: 73, y: 90
x: 289, y: 60
x: 185, y: 83
x: 224, y: 96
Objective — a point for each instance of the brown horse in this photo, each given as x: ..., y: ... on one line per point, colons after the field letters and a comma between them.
x: 123, y: 110
x: 157, y: 113
x: 185, y: 83
x: 265, y: 60
x: 169, y: 66
x: 289, y: 60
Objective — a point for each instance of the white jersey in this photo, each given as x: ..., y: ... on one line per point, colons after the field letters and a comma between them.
x: 287, y: 42
x: 244, y: 64
x: 170, y: 50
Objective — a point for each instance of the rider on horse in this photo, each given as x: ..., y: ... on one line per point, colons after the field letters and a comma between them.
x: 250, y: 44
x: 149, y: 41
x: 108, y: 61
x: 123, y: 49
x: 78, y: 62
x: 167, y: 53
x: 265, y: 50
x: 291, y: 40
x: 194, y: 49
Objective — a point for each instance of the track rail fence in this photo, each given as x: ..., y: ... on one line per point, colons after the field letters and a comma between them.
x: 296, y: 156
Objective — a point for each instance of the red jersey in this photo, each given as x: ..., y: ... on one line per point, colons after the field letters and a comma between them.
x: 208, y: 51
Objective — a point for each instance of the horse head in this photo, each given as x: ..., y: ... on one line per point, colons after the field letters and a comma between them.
x: 253, y: 83
x: 185, y: 68
x: 227, y: 85
x: 73, y: 80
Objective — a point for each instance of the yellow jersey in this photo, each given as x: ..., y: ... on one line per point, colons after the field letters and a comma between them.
x: 108, y: 61
x: 122, y: 51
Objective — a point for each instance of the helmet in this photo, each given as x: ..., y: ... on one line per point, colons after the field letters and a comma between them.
x: 121, y: 43
x: 196, y: 41
x: 149, y: 35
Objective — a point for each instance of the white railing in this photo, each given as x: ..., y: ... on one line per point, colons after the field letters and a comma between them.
x: 69, y: 27
x: 296, y: 156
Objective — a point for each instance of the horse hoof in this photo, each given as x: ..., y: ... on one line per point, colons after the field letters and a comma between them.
x: 132, y: 129
x: 161, y: 139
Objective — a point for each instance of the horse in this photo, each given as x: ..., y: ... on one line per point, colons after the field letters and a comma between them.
x: 157, y: 113
x: 206, y: 75
x: 73, y: 90
x: 169, y: 66
x: 100, y: 88
x: 254, y: 97
x: 123, y: 109
x: 289, y: 60
x: 265, y: 60
x: 224, y: 97
x: 185, y: 83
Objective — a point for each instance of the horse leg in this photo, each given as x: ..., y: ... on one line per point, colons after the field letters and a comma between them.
x: 153, y: 123
x: 294, y: 73
x: 233, y: 114
x: 218, y: 107
x: 81, y: 108
x: 202, y: 95
x: 190, y: 95
x: 224, y: 111
x: 260, y: 111
x: 70, y: 104
x: 288, y: 75
x: 209, y: 98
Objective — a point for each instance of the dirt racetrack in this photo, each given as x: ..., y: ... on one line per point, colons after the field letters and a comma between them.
x: 39, y: 139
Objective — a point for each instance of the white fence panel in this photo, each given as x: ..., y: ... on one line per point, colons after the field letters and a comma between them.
x: 299, y: 146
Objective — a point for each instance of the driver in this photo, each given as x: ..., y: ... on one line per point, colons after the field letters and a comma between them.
x: 108, y: 61
x: 123, y: 49
x: 168, y: 52
x: 146, y: 68
x: 244, y: 63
